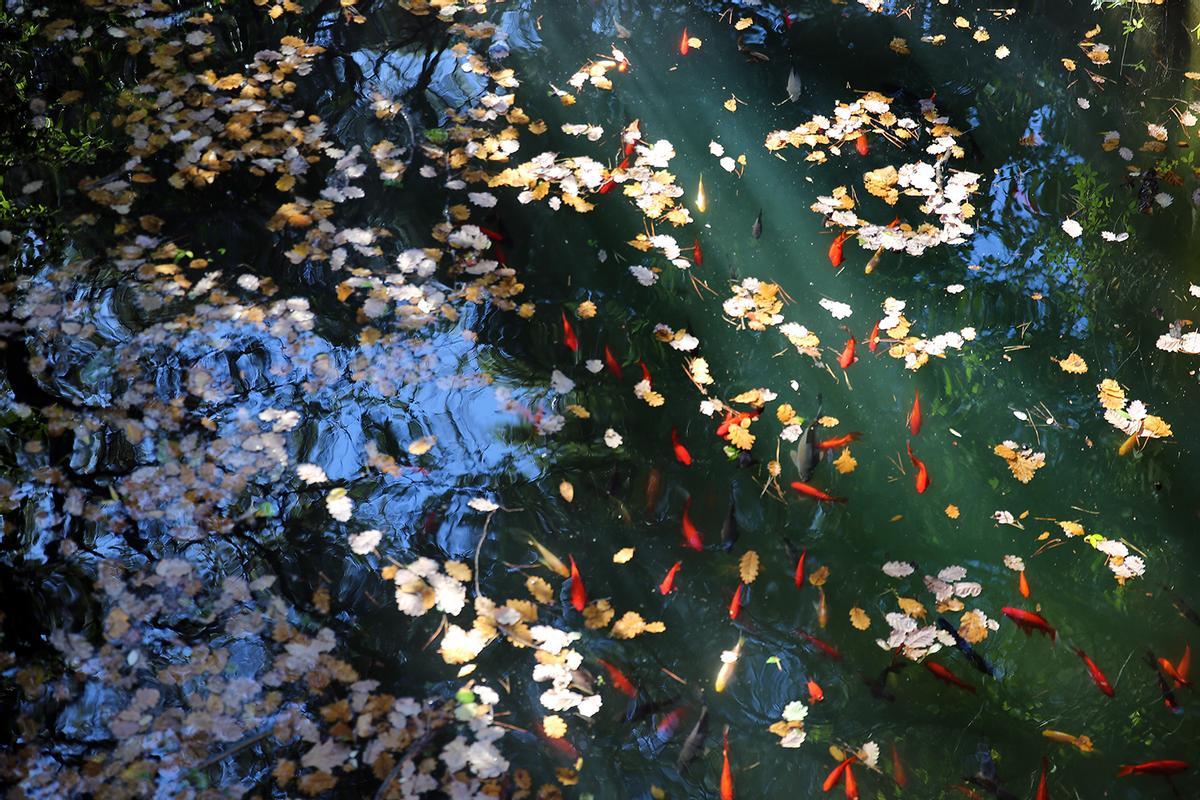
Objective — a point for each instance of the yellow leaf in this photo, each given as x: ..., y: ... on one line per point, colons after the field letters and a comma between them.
x: 1068, y: 65
x: 741, y: 437
x: 911, y: 608
x: 457, y: 570
x: 961, y: 22
x: 554, y: 726
x: 579, y: 411
x: 818, y: 576
x: 1111, y: 394
x: 1071, y: 528
x: 952, y: 511
x: 540, y: 589
x: 828, y: 422
x: 694, y: 42
x: 597, y: 614
x: 743, y: 23
x: 1074, y: 364
x: 845, y: 463
x: 859, y: 619
x: 586, y: 310
x: 422, y: 446
x: 1023, y: 463
x: 731, y: 104
x: 285, y: 183
x: 785, y: 413
x: 567, y: 491
x: 973, y: 626
x: 623, y: 556
x: 748, y: 566
x: 898, y: 45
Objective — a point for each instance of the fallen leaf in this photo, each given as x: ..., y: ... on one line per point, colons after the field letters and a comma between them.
x: 623, y: 556
x: 567, y: 491
x: 554, y: 726
x: 748, y: 566
x: 952, y: 511
x: 859, y: 619
x: 845, y: 463
x: 819, y: 576
x: 1074, y: 364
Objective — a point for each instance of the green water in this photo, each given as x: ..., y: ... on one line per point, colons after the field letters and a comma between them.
x: 1032, y: 293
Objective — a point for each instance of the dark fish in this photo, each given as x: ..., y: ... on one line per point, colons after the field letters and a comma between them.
x: 1168, y: 696
x: 1185, y: 611
x: 807, y: 454
x: 970, y: 653
x: 730, y: 531
x: 878, y: 685
x: 694, y: 742
x: 642, y: 707
x: 756, y: 231
x: 1147, y: 189
x: 991, y: 786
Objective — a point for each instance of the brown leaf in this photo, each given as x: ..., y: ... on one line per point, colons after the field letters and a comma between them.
x: 859, y: 619
x: 748, y: 566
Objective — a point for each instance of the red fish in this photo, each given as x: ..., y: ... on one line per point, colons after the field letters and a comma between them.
x: 611, y: 184
x: 735, y: 418
x: 840, y: 441
x: 1030, y: 622
x: 1164, y: 767
x: 862, y: 145
x: 578, y: 593
x: 726, y: 772
x: 561, y: 746
x: 1185, y: 664
x: 873, y: 338
x: 945, y: 675
x: 815, y: 693
x: 735, y: 605
x: 681, y: 453
x: 826, y: 648
x: 691, y: 536
x: 898, y: 774
x: 1098, y: 677
x: 1173, y: 673
x: 914, y: 416
x: 839, y: 772
x: 631, y: 135
x: 851, y: 783
x: 569, y: 338
x: 697, y: 254
x: 815, y: 493
x: 799, y: 577
x: 1023, y: 584
x: 610, y: 361
x: 623, y: 684
x: 847, y: 358
x: 922, y: 473
x: 1043, y: 791
x: 668, y: 583
x: 669, y: 724
x: 683, y: 43
x: 835, y: 249
x: 645, y: 371
x: 495, y: 236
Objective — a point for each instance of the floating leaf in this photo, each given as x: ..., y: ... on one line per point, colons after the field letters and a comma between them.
x: 540, y: 589
x: 859, y: 619
x: 597, y: 614
x: 1023, y: 462
x: 623, y: 556
x: 845, y: 463
x: 952, y: 511
x: 1073, y: 364
x: 819, y: 576
x: 567, y: 491
x: 748, y: 566
x: 911, y: 608
x: 554, y: 726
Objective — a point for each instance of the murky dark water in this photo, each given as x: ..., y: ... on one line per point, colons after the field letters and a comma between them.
x: 1032, y: 293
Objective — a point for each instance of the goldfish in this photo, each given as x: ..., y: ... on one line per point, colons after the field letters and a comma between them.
x: 815, y: 493
x: 549, y: 560
x: 1127, y: 446
x: 835, y: 249
x: 822, y: 608
x: 726, y: 772
x: 1081, y: 743
x: 847, y: 356
x: 653, y: 489
x: 611, y: 183
x: 815, y: 693
x: 756, y: 229
x: 729, y: 529
x: 839, y: 772
x: 569, y: 338
x: 829, y: 650
x: 1030, y: 622
x: 694, y: 742
x: 922, y: 481
x: 610, y: 361
x: 862, y: 145
x: 735, y: 418
x: 872, y: 263
x: 631, y: 135
x: 683, y: 43
x: 669, y: 724
x: 1164, y: 767
x: 1185, y: 611
x: 701, y: 199
x: 668, y: 583
x: 873, y: 338
x: 729, y: 661
x: 561, y: 746
x: 735, y: 605
x: 1043, y: 791
x: 1168, y: 696
x: 839, y: 441
x: 697, y: 254
x: 898, y: 774
x: 946, y: 676
x: 914, y: 416
x: 622, y: 683
x: 578, y: 592
x: 1098, y: 677
x: 691, y: 536
x: 799, y: 576
x: 1179, y: 673
x: 681, y: 453
x: 1023, y: 584
x: 851, y: 783
x: 645, y: 371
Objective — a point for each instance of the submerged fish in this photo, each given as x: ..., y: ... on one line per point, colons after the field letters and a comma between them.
x: 610, y: 361
x: 972, y: 655
x: 668, y: 583
x: 1029, y: 621
x: 569, y: 337
x: 847, y: 357
x: 811, y: 491
x: 922, y: 479
x: 729, y: 530
x: 914, y: 415
x: 691, y: 536
x: 1081, y: 743
x: 578, y: 593
x: 619, y: 680
x: 946, y: 676
x: 794, y: 86
x: 681, y: 453
x: 694, y: 742
x: 835, y: 249
x: 1163, y: 767
x: 806, y: 455
x: 756, y: 229
x: 1185, y: 611
x: 729, y: 661
x: 1098, y: 677
x: 726, y: 772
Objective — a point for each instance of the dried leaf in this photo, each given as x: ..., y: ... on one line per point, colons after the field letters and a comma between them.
x: 623, y: 556
x: 952, y: 511
x: 597, y: 614
x: 567, y: 491
x: 748, y: 566
x: 554, y: 726
x: 911, y: 608
x: 818, y: 576
x: 859, y: 619
x: 1073, y: 364
x: 845, y: 463
x: 540, y: 589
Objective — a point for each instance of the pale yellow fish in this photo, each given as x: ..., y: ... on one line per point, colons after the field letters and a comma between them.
x: 873, y: 262
x: 729, y: 661
x: 1128, y: 446
x: 701, y: 199
x: 1083, y: 743
x: 552, y: 562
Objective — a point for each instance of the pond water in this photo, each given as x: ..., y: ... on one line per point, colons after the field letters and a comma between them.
x: 1030, y: 293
